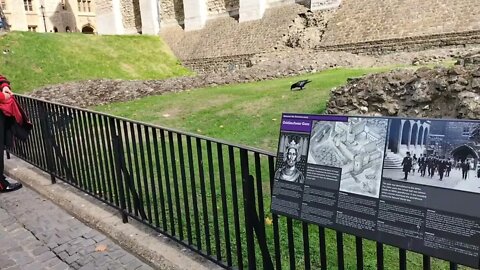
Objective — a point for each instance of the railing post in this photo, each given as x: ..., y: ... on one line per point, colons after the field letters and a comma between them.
x: 47, y: 143
x: 117, y: 147
x: 8, y: 154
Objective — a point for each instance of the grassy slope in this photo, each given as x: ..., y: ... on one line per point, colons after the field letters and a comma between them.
x: 243, y: 113
x: 250, y: 114
x: 38, y: 59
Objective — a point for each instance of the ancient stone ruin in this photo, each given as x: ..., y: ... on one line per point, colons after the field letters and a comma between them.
x: 439, y: 92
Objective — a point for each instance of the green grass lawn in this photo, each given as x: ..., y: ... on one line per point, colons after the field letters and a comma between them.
x: 248, y: 113
x: 39, y: 59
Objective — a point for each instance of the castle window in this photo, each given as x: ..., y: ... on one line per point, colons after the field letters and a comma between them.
x: 4, y: 4
x: 32, y: 28
x: 28, y: 5
x: 89, y: 9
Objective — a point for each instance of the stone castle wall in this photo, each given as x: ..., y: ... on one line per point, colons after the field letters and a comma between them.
x: 172, y: 10
x: 369, y: 20
x: 224, y: 36
x: 131, y: 16
x: 222, y: 6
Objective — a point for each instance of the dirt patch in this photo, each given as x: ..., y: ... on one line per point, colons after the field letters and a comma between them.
x: 264, y: 67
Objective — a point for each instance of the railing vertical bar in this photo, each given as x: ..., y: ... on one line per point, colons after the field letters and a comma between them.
x: 91, y: 152
x: 160, y: 179
x: 184, y: 187
x: 94, y: 153
x: 259, y: 182
x: 233, y: 179
x: 128, y: 157
x: 152, y: 177
x: 306, y: 246
x: 167, y: 182
x: 141, y: 130
x: 248, y: 192
x: 61, y: 170
x: 426, y: 262
x: 135, y: 171
x: 204, y: 196
x: 322, y: 247
x: 88, y: 137
x: 379, y: 256
x: 291, y: 244
x: 214, y: 200
x: 223, y: 195
x: 340, y: 254
x: 108, y: 173
x: 194, y: 192
x: 359, y: 251
x: 83, y: 151
x: 67, y: 140
x: 112, y: 163
x: 453, y: 266
x: 403, y: 258
x: 175, y: 184
x: 33, y: 138
x: 36, y: 131
x: 25, y: 148
x: 78, y: 149
x: 276, y: 233
x: 99, y: 160
x: 72, y: 135
x: 51, y: 131
x: 117, y: 147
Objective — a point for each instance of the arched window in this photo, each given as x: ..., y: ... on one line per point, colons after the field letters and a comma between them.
x: 87, y: 29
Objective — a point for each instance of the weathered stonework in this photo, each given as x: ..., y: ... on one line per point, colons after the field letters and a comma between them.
x: 222, y: 6
x: 225, y: 36
x: 172, y: 10
x: 369, y: 20
x: 131, y: 16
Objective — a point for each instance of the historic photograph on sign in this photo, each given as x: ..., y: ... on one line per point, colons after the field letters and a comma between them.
x: 292, y: 156
x: 436, y: 153
x: 356, y: 146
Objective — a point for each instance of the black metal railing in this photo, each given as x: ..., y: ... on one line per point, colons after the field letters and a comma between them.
x: 208, y: 195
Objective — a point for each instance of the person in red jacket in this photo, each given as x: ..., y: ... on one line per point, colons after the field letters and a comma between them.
x: 5, y: 95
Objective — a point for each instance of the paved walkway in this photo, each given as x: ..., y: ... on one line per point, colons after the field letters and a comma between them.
x: 36, y: 234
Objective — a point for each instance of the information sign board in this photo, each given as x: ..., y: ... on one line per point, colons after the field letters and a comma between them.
x: 410, y: 183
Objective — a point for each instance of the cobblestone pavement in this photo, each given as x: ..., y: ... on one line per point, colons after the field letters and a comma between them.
x: 36, y: 234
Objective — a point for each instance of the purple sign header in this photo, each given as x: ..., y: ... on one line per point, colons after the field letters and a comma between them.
x: 303, y: 122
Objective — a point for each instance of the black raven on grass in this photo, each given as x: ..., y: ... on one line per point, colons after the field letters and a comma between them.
x: 300, y: 84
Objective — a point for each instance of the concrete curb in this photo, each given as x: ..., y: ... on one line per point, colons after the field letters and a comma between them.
x: 157, y: 250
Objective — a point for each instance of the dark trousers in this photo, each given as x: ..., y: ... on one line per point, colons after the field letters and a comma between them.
x: 464, y: 174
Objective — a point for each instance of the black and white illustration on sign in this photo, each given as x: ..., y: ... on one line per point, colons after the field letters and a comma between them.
x: 356, y: 146
x: 435, y: 153
x: 293, y: 152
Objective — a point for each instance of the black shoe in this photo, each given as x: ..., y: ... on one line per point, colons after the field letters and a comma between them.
x: 10, y: 187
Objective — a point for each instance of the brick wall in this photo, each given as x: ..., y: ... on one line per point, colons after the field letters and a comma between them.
x: 368, y: 20
x: 226, y: 37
